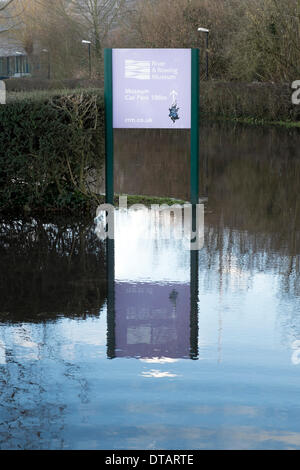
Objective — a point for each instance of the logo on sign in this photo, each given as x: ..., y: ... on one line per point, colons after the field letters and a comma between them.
x: 174, y: 109
x: 138, y: 69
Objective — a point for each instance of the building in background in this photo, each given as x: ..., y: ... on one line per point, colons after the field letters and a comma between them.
x: 13, y: 59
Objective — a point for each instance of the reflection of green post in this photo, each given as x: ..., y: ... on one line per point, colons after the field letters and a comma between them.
x: 195, y: 128
x: 194, y: 286
x: 194, y: 304
x: 110, y: 264
x: 109, y: 134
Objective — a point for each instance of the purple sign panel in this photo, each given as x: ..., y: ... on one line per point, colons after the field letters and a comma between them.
x: 152, y: 88
x: 152, y: 320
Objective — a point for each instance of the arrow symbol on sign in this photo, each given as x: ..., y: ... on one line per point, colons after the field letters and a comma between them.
x: 174, y: 94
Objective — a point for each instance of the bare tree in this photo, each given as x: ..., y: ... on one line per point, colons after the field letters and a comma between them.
x: 60, y: 27
x: 50, y: 37
x: 10, y: 14
x: 97, y: 18
x: 6, y: 4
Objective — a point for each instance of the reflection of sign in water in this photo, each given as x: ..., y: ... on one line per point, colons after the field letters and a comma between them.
x: 152, y: 320
x: 143, y: 80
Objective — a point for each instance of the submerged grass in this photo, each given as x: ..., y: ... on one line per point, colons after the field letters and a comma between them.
x: 260, y: 122
x: 93, y: 202
x: 149, y: 200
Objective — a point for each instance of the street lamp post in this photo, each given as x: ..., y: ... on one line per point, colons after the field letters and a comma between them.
x: 49, y: 66
x: 206, y: 31
x: 90, y: 61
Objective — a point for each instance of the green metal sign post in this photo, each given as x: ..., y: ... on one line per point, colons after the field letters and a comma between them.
x: 109, y: 106
x: 109, y: 132
x: 195, y: 128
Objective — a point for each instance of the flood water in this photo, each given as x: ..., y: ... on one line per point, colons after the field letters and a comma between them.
x: 142, y: 343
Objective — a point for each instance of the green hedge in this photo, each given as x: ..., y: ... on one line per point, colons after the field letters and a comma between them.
x: 269, y: 102
x: 32, y: 84
x: 52, y: 142
x: 50, y: 146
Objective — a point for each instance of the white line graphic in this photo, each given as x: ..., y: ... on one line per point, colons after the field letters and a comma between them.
x: 138, y: 69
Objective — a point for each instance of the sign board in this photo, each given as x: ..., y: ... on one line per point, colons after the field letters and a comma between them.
x: 152, y: 88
